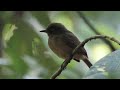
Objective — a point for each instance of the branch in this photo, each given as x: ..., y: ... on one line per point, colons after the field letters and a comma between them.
x: 65, y: 63
x: 95, y: 30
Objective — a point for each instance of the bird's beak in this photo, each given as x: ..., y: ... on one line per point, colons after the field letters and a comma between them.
x: 44, y: 31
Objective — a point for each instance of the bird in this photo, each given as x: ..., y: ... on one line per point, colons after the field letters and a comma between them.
x: 62, y: 42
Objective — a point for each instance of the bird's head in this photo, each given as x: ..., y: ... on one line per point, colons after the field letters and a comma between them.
x: 55, y: 28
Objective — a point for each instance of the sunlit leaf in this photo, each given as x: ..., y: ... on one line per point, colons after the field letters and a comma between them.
x: 8, y: 31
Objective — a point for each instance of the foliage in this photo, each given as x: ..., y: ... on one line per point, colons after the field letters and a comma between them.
x: 27, y: 55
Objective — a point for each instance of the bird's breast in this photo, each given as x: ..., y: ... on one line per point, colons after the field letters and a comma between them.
x: 59, y: 47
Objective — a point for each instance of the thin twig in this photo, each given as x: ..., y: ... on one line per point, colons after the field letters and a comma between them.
x: 65, y: 63
x: 86, y: 20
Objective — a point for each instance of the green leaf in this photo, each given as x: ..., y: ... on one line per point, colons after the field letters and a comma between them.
x: 106, y: 68
x: 37, y: 47
x: 8, y: 31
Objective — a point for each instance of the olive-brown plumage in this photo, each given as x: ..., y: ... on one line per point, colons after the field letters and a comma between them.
x: 62, y: 42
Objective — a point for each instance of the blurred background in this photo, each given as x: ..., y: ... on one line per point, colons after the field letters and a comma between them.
x: 24, y: 52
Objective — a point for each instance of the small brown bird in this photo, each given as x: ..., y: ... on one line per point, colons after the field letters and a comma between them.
x: 62, y: 42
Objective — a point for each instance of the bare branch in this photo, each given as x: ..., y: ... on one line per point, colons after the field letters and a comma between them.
x: 95, y: 30
x: 65, y: 63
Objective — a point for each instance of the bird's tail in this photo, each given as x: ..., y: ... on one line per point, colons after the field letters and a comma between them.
x: 86, y: 61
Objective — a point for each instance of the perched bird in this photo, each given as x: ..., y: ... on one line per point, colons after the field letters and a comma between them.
x: 62, y: 42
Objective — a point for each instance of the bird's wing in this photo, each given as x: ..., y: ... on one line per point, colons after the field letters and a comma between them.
x: 72, y: 41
